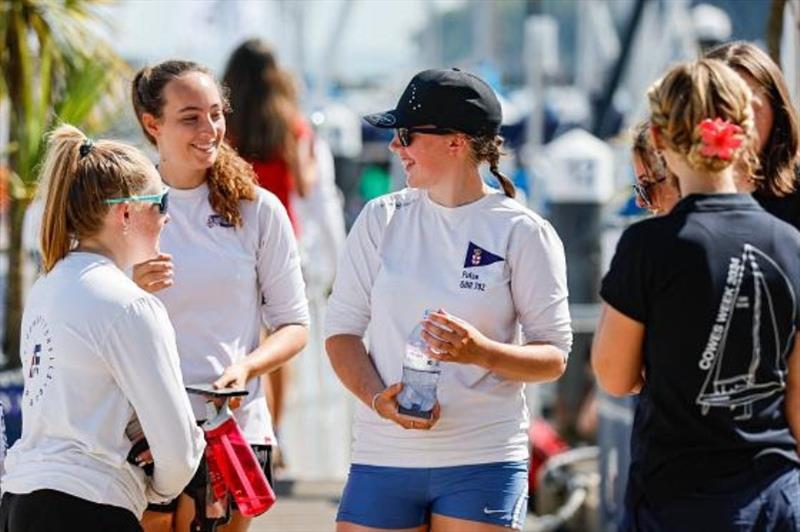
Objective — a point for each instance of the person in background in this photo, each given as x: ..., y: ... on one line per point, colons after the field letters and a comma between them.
x: 98, y: 352
x: 322, y: 212
x: 266, y: 125
x: 656, y: 188
x: 267, y: 128
x: 775, y: 186
x: 233, y: 265
x: 490, y: 265
x: 700, y: 317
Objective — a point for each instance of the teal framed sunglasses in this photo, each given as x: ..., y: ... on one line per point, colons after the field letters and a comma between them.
x: 161, y: 199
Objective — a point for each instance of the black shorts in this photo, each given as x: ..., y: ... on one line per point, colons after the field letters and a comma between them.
x: 263, y: 455
x: 55, y: 511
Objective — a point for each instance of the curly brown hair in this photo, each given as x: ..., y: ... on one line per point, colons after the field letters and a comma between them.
x: 231, y: 179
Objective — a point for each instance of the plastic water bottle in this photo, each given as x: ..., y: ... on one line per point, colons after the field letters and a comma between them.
x: 233, y: 467
x: 420, y: 376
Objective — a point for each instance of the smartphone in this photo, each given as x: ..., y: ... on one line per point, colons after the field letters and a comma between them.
x: 208, y: 390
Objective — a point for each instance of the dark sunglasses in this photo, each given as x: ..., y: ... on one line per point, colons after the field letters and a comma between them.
x: 642, y: 189
x: 162, y: 200
x: 405, y: 138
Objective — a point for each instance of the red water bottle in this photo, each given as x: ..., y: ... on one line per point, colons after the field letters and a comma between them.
x: 233, y: 466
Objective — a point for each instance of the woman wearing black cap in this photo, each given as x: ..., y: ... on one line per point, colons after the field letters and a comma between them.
x: 489, y: 265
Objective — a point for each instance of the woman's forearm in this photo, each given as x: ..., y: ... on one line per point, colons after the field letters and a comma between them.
x: 617, y: 353
x: 276, y: 349
x: 353, y: 366
x: 452, y: 339
x: 534, y: 362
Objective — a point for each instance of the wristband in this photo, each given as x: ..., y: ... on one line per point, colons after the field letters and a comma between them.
x: 374, y: 400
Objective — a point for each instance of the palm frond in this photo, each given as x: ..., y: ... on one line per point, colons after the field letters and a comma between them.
x: 55, y: 65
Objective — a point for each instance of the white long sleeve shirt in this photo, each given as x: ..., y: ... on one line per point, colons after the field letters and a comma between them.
x: 95, y: 350
x: 228, y: 282
x: 493, y: 263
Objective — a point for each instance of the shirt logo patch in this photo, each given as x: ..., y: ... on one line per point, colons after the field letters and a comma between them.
x: 37, y: 360
x: 477, y: 256
x: 217, y: 220
x: 397, y: 203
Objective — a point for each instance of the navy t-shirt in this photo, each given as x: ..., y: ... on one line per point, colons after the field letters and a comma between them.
x: 716, y: 285
x: 787, y: 208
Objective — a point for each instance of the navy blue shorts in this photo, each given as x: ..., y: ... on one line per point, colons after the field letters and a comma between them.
x: 770, y: 504
x: 405, y: 497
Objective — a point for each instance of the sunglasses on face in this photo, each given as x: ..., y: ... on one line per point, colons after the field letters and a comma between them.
x: 404, y: 134
x: 642, y: 189
x: 161, y: 199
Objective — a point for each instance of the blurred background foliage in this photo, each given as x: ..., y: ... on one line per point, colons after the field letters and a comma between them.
x: 57, y: 66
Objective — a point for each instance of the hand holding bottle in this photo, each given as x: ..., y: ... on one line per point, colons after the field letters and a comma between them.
x: 386, y: 406
x: 451, y: 339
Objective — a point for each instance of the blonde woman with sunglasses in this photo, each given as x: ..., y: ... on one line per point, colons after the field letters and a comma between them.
x: 98, y: 353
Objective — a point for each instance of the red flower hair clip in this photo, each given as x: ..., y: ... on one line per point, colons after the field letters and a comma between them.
x: 720, y: 138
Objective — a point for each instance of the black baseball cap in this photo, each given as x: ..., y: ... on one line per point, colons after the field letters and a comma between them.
x: 447, y: 98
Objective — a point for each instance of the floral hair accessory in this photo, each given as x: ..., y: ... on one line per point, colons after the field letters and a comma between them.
x: 720, y: 138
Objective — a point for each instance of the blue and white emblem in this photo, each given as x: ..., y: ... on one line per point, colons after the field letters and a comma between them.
x: 477, y: 256
x: 381, y: 119
x: 217, y: 220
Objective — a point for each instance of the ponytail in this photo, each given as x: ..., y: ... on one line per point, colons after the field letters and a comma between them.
x: 58, y: 174
x: 77, y: 176
x: 487, y: 148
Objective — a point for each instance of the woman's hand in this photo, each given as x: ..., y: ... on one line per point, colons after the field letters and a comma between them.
x: 234, y: 376
x: 155, y: 274
x: 144, y: 458
x: 386, y: 406
x: 452, y: 339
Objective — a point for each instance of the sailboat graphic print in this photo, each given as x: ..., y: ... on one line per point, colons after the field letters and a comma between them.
x: 745, y: 356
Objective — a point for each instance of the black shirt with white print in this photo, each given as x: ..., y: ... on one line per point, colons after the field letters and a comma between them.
x: 716, y: 285
x: 787, y: 207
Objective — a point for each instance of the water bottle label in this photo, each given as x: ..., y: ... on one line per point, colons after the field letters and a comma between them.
x: 418, y: 395
x: 417, y: 359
